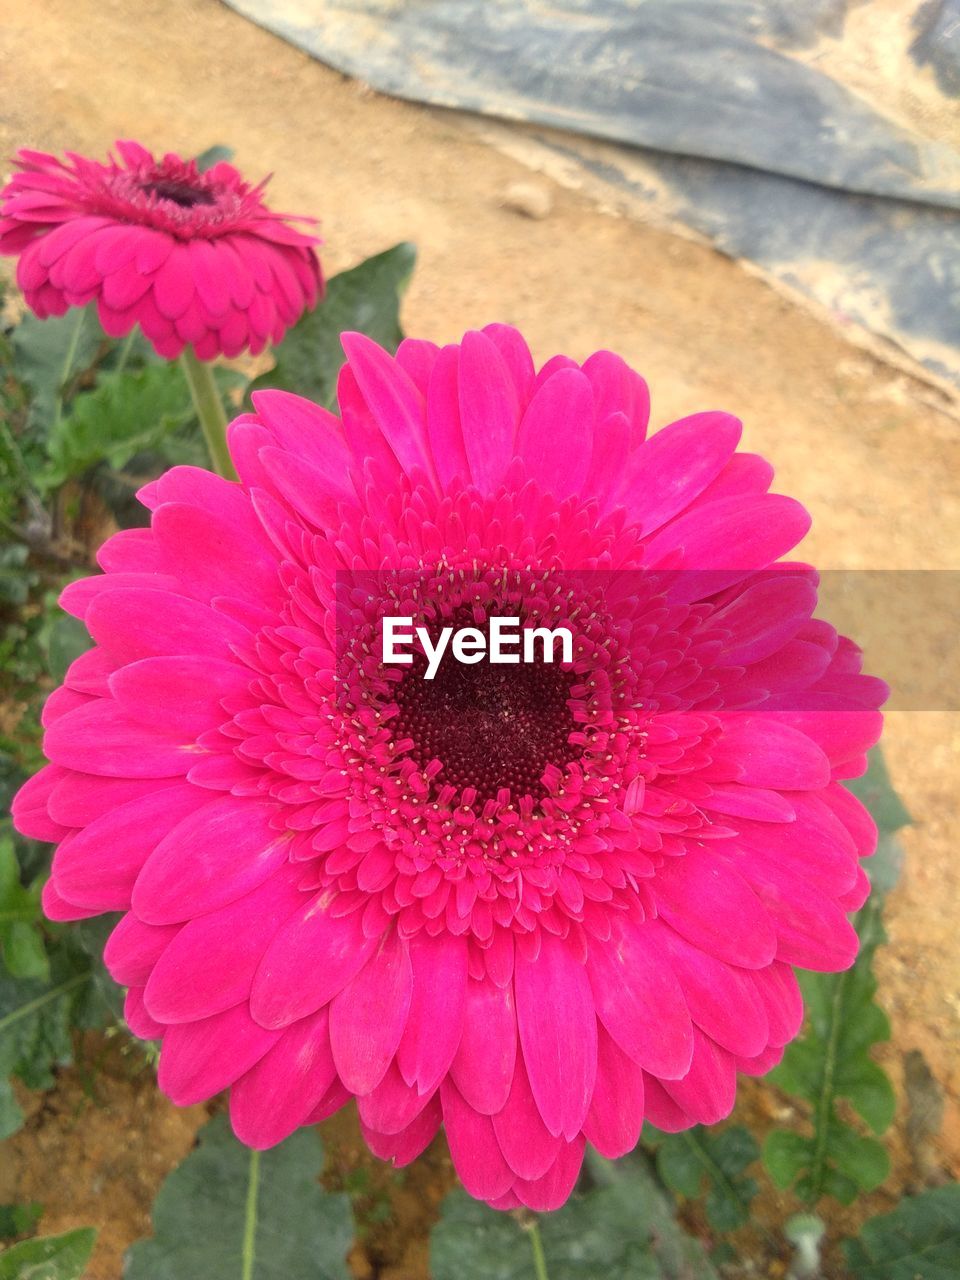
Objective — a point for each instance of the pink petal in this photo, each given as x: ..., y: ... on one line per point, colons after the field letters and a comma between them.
x: 527, y: 1145
x: 557, y: 1019
x: 432, y: 1034
x: 393, y: 1105
x: 553, y: 1190
x: 98, y: 866
x: 618, y: 389
x: 707, y: 902
x: 516, y: 354
x: 137, y: 1018
x: 393, y: 399
x: 182, y: 695
x: 278, y: 1093
x: 30, y: 811
x: 555, y: 438
x: 443, y: 419
x: 473, y: 1146
x: 483, y: 1066
x: 489, y: 410
x: 209, y: 965
x: 309, y: 961
x: 615, y: 1117
x: 199, y: 1059
x: 706, y: 1093
x: 722, y: 1000
x: 675, y: 465
x: 639, y: 1000
x: 367, y: 1018
x: 98, y: 738
x: 779, y: 990
x: 133, y: 948
x: 220, y: 851
x: 140, y: 623
x: 401, y: 1148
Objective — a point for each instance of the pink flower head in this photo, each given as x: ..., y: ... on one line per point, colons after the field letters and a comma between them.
x: 533, y: 903
x: 193, y: 258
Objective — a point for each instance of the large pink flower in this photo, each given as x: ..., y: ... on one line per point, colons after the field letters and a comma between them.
x: 194, y: 258
x: 533, y: 903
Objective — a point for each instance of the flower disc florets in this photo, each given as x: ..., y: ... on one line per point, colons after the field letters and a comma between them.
x: 533, y: 902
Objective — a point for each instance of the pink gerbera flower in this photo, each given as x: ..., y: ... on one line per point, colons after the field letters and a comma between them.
x: 532, y: 903
x: 194, y: 258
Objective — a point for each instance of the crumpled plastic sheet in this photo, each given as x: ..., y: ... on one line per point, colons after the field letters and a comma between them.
x: 715, y: 118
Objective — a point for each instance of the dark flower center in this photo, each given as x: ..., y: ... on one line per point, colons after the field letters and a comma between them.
x: 181, y: 193
x: 491, y: 726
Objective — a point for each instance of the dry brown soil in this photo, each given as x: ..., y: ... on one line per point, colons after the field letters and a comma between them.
x: 866, y: 447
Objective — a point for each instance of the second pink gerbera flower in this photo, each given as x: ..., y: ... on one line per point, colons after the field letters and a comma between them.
x: 533, y: 904
x: 196, y: 259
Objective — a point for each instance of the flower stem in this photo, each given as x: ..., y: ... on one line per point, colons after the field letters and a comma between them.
x: 68, y: 360
x: 536, y: 1244
x: 209, y: 407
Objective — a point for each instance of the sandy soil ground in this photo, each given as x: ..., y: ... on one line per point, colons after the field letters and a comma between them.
x: 866, y: 447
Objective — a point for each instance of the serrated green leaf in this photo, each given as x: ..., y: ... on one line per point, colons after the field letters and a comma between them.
x: 784, y: 1155
x: 128, y: 411
x: 35, y: 1022
x: 49, y: 1257
x: 19, y: 1219
x: 227, y: 1212
x: 920, y: 1238
x: 50, y: 354
x: 623, y: 1226
x: 831, y: 1060
x: 21, y: 943
x: 365, y: 299
x: 696, y: 1160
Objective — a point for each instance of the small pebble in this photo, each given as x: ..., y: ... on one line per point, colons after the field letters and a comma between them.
x: 532, y: 199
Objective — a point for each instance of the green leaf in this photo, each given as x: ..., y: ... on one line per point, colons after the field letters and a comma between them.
x: 686, y: 1161
x: 831, y: 1060
x: 365, y: 299
x: 35, y: 1022
x: 21, y: 942
x: 50, y: 355
x: 875, y: 790
x: 62, y: 639
x: 127, y: 412
x: 213, y: 155
x: 784, y: 1155
x: 49, y: 1257
x: 227, y: 1213
x: 919, y: 1240
x: 19, y: 1219
x: 623, y: 1226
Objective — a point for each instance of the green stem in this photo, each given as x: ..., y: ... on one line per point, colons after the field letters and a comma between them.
x: 32, y: 1006
x: 539, y: 1257
x: 68, y: 360
x: 124, y: 350
x: 209, y: 407
x: 250, y: 1219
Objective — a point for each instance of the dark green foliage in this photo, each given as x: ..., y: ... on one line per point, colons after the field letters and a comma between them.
x: 126, y: 413
x: 919, y: 1240
x: 698, y: 1161
x: 18, y: 1219
x: 365, y: 299
x: 623, y: 1226
x: 49, y: 1257
x: 226, y: 1212
x: 831, y: 1060
x: 22, y: 949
